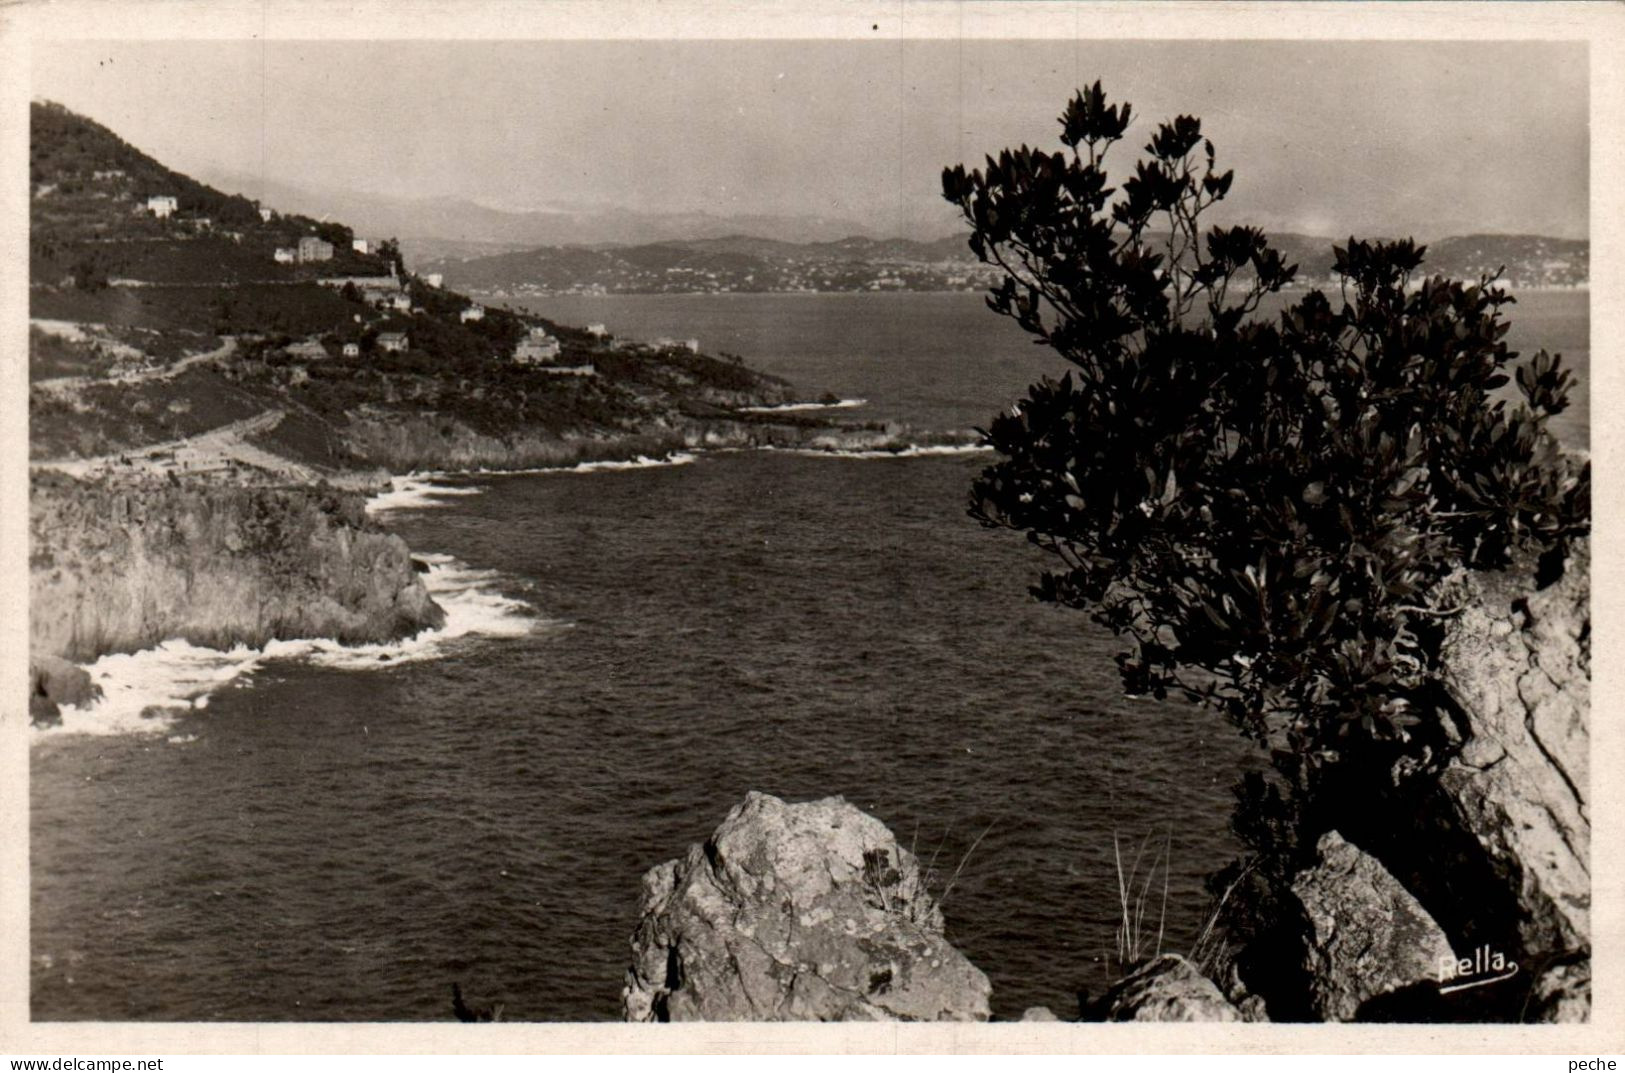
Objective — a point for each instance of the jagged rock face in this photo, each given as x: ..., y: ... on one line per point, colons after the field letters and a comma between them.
x: 1562, y: 994
x: 119, y: 567
x: 1167, y: 988
x: 1519, y: 666
x: 796, y: 912
x: 1493, y: 835
x: 1366, y: 936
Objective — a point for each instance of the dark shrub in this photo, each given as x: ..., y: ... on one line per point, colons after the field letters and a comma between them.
x: 1264, y: 507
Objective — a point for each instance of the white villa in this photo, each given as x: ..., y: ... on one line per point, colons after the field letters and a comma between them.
x: 286, y: 255
x: 360, y: 245
x: 352, y: 350
x: 265, y: 215
x: 395, y: 342
x: 162, y: 205
x: 434, y: 279
x: 538, y: 346
x: 473, y: 312
x: 597, y: 331
x: 312, y: 248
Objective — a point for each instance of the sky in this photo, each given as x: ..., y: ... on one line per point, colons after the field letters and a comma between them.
x: 1327, y: 138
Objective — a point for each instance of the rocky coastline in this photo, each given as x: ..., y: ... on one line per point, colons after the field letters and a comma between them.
x: 422, y: 444
x: 133, y: 551
x: 118, y: 565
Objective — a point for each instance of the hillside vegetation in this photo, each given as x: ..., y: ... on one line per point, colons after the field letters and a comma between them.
x: 152, y: 328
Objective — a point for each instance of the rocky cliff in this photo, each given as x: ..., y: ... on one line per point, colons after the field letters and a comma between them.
x: 119, y: 566
x: 403, y: 443
x: 1456, y: 885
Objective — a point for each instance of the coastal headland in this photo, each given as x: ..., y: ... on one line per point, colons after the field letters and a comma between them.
x: 215, y: 388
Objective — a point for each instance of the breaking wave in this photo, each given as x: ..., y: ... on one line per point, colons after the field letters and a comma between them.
x: 417, y: 492
x: 911, y: 451
x: 146, y: 692
x: 679, y: 458
x: 788, y: 407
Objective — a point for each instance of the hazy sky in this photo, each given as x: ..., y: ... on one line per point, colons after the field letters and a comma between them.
x: 1424, y: 138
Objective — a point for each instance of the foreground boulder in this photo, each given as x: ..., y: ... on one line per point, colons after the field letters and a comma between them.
x: 1366, y: 936
x: 796, y: 912
x: 1167, y: 988
x: 53, y: 683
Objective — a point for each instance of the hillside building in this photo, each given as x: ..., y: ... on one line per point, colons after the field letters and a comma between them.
x: 597, y: 331
x: 162, y: 206
x: 381, y: 284
x: 312, y: 248
x: 434, y: 279
x: 360, y: 245
x: 286, y: 255
x: 667, y: 343
x: 394, y: 342
x: 265, y: 216
x: 309, y: 350
x: 352, y: 350
x: 536, y: 348
x: 473, y: 312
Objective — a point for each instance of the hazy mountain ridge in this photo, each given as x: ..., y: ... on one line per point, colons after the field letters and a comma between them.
x: 440, y: 226
x: 599, y: 249
x: 746, y: 263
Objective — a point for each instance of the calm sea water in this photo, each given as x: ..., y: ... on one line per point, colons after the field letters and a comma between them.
x: 333, y: 843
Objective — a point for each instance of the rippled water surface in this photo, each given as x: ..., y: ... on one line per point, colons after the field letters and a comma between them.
x: 328, y: 842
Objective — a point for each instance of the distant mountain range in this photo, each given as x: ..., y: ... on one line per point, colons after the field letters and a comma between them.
x: 595, y: 249
x: 432, y: 227
x: 745, y: 263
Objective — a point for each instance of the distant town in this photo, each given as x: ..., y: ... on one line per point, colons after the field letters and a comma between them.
x: 861, y: 265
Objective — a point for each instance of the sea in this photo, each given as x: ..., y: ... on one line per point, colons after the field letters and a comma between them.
x: 310, y: 832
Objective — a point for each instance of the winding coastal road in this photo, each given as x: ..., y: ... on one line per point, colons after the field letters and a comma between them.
x: 61, y: 384
x: 217, y: 450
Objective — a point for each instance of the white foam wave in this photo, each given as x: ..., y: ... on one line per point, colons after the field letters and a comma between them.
x: 788, y: 407
x: 146, y: 692
x: 911, y: 451
x: 678, y: 458
x: 418, y: 491
x: 421, y: 491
